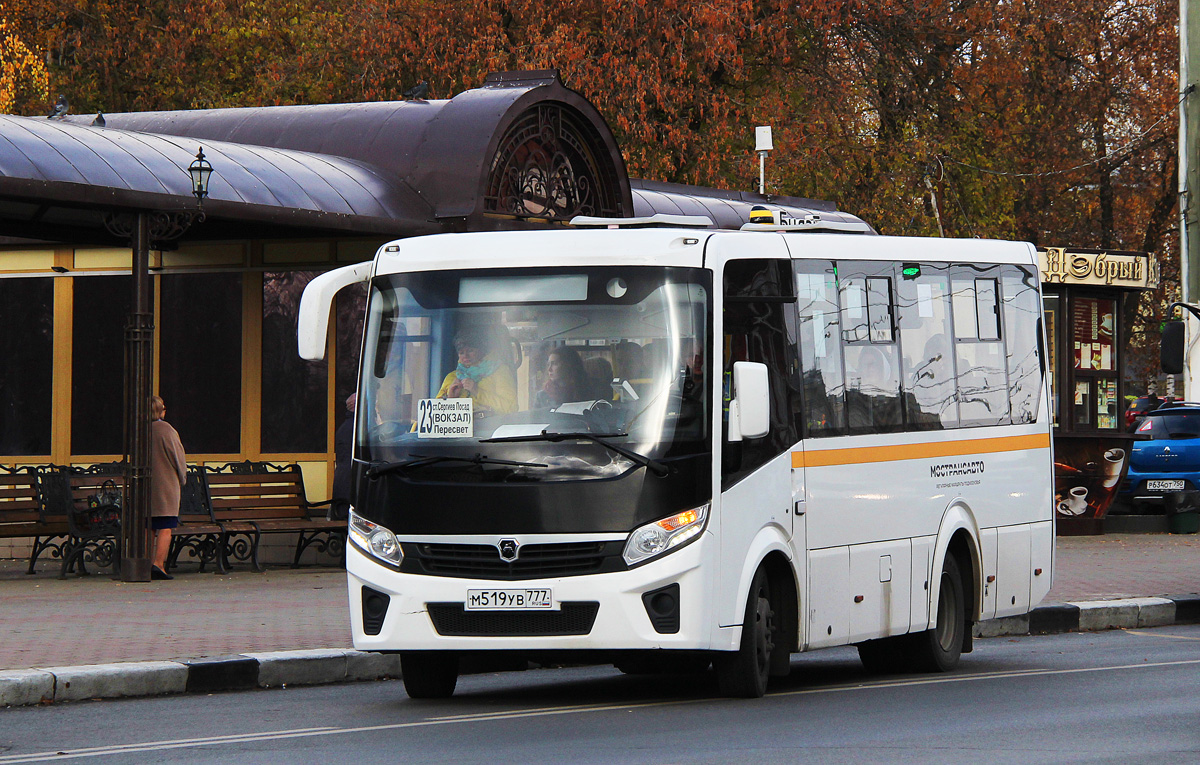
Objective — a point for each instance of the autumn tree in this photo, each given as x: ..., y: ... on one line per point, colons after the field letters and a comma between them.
x: 23, y: 78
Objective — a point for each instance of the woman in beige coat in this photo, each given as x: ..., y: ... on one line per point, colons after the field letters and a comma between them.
x: 168, y: 475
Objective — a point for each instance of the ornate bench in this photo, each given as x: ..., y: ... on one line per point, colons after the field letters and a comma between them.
x: 23, y: 514
x: 254, y: 498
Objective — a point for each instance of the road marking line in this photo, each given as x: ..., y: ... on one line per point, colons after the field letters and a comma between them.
x: 239, y: 738
x: 1165, y: 637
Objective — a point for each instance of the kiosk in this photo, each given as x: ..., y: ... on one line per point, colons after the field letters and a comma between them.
x: 1084, y: 292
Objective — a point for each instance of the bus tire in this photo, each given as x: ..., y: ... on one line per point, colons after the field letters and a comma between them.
x: 938, y: 649
x: 744, y: 673
x: 429, y: 674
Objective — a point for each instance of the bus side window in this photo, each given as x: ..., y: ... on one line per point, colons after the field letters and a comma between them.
x: 1021, y: 311
x: 872, y: 357
x: 979, y: 351
x: 930, y: 401
x: 822, y: 382
x: 759, y: 326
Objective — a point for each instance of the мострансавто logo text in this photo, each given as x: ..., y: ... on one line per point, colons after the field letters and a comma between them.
x: 956, y: 468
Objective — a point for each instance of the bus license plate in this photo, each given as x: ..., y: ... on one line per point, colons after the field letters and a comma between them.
x: 510, y: 600
x: 1165, y: 485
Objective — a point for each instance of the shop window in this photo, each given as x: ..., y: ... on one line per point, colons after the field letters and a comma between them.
x: 1022, y: 342
x: 823, y: 383
x: 26, y: 346
x: 295, y: 392
x: 872, y: 358
x: 101, y: 307
x: 1093, y: 337
x: 982, y: 370
x: 759, y: 326
x: 927, y: 362
x: 200, y: 359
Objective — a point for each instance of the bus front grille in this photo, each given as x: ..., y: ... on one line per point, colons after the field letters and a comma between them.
x: 534, y: 560
x: 452, y: 620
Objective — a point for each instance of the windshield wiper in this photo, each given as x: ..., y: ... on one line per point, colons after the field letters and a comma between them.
x: 418, y: 460
x: 654, y: 466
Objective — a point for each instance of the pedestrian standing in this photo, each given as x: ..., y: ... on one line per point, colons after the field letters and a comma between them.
x: 168, y: 475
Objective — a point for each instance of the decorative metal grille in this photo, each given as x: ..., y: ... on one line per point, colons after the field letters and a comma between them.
x: 546, y: 167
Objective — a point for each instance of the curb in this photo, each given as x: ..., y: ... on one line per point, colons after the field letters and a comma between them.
x: 275, y: 669
x: 279, y: 669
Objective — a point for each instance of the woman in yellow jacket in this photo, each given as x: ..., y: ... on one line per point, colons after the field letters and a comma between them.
x: 491, y: 383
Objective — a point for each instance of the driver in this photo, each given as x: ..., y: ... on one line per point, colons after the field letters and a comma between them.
x: 480, y: 376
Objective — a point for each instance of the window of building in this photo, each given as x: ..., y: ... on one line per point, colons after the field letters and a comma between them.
x: 200, y: 359
x: 295, y: 392
x: 27, y: 350
x: 101, y: 307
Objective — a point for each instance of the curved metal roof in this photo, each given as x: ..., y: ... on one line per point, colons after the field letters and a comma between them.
x: 83, y: 167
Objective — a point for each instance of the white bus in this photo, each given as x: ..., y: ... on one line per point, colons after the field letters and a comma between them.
x: 676, y: 447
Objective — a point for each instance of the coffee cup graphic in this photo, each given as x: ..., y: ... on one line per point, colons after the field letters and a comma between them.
x: 1075, y: 503
x: 1114, y: 460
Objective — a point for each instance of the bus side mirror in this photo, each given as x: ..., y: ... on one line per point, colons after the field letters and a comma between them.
x: 312, y: 325
x: 1172, y: 347
x: 750, y: 412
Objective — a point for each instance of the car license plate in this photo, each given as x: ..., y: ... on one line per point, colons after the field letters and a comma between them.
x: 538, y: 599
x: 1165, y: 485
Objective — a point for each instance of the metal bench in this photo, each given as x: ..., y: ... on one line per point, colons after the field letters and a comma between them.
x: 255, y: 498
x: 94, y: 532
x: 23, y: 514
x: 198, y: 533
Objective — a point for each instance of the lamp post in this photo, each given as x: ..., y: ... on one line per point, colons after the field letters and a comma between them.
x: 144, y: 229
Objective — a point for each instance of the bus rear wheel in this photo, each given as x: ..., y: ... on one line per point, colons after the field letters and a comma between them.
x: 429, y: 674
x: 938, y: 649
x: 745, y: 672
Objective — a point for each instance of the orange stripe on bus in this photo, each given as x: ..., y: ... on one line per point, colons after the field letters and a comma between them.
x: 867, y: 454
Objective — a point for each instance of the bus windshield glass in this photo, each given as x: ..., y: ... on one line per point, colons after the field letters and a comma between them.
x: 506, y: 375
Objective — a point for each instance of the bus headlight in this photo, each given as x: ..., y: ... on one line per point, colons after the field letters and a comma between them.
x: 375, y: 539
x: 664, y: 535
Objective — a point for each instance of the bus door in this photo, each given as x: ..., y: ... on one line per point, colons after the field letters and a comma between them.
x: 756, y: 473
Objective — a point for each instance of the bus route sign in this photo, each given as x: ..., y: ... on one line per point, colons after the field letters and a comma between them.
x: 445, y: 418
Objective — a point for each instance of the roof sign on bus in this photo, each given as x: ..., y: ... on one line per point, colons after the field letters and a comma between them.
x: 445, y: 418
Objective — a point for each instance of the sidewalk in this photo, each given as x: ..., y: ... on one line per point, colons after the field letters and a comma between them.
x: 45, y: 622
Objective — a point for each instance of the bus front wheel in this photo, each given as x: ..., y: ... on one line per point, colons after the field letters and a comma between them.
x: 744, y: 673
x: 429, y: 674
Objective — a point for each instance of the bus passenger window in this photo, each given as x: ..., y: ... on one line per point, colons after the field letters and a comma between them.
x: 872, y: 358
x: 979, y: 354
x: 822, y: 381
x: 928, y: 361
x: 1021, y: 311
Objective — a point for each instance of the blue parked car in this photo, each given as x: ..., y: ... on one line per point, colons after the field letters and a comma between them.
x: 1170, y: 460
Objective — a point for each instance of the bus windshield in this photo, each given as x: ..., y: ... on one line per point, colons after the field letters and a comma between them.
x: 505, y: 375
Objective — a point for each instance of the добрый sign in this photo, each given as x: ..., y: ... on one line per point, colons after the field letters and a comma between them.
x: 1111, y: 268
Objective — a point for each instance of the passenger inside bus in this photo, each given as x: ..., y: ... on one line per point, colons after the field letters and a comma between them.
x: 484, y: 374
x: 566, y: 380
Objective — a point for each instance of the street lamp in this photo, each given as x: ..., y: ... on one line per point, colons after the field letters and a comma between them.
x: 200, y: 171
x: 145, y: 229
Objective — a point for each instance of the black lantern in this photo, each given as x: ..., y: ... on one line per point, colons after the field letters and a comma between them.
x: 200, y: 170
